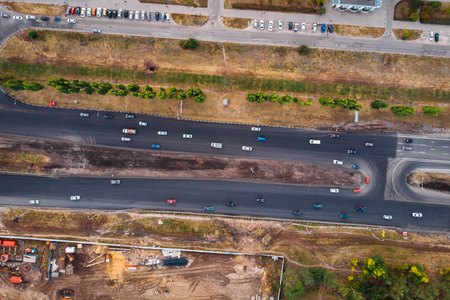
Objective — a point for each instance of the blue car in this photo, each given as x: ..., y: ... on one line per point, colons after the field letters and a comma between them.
x: 57, y: 18
x: 261, y: 138
x: 156, y: 146
x: 208, y: 208
x: 324, y: 28
x: 351, y: 151
x: 354, y: 166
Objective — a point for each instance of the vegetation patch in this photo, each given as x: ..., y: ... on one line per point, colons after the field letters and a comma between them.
x: 193, y: 3
x: 189, y: 20
x: 12, y: 161
x: 236, y: 23
x: 304, y: 6
x: 36, y: 8
x: 359, y: 31
x: 435, y: 12
x: 433, y: 181
x: 407, y: 34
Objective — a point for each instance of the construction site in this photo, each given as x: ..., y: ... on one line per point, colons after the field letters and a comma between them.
x: 39, y: 269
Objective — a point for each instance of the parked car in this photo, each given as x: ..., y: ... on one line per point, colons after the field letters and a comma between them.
x: 187, y: 136
x: 317, y: 205
x: 71, y: 21
x: 330, y: 28
x: 120, y: 14
x: 168, y: 18
x: 314, y: 27
x: 360, y: 208
x: 334, y: 135
x: 280, y: 25
x: 99, y: 12
x: 261, y: 24
x: 261, y: 138
x: 297, y: 213
x: 247, y: 148
x: 351, y: 151
x: 255, y: 23
x: 387, y: 217
x: 57, y: 19
x: 323, y: 28
x: 89, y: 12
x: 163, y: 17
x: 84, y: 114
x: 126, y: 139
x: 171, y: 201
x: 291, y: 25
x: 96, y: 30
x: 338, y: 162
x: 408, y: 141
x: 157, y: 16
x: 83, y: 12
x: 143, y: 123
x: 136, y: 15
x: 131, y: 15
x: 270, y: 26
x: 431, y: 35
x: 45, y: 18
x: 130, y: 116
x: 357, y: 190
x: 72, y: 11
x: 115, y: 181
x: 230, y: 203
x: 334, y: 191
x: 34, y: 202
x: 110, y: 14
x: 156, y: 146
x: 344, y: 216
x: 105, y: 11
x: 30, y: 17
x: 208, y: 208
x: 354, y: 166
x: 5, y: 16
x: 256, y: 129
x: 436, y: 37
x: 296, y: 27
x: 162, y: 132
x: 114, y: 14
x: 107, y: 116
x: 367, y: 180
x: 125, y: 14
x: 77, y: 10
x: 406, y: 148
x: 94, y: 12
x: 260, y: 200
x: 368, y: 144
x: 143, y: 15
x: 303, y: 26
x: 149, y: 16
x: 75, y: 198
x: 417, y: 215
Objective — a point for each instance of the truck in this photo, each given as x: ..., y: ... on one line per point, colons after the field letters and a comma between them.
x: 129, y: 131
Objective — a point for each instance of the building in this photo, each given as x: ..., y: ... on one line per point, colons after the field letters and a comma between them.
x: 363, y: 6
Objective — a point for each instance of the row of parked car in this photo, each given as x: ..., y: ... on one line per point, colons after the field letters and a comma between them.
x: 114, y: 14
x: 292, y: 26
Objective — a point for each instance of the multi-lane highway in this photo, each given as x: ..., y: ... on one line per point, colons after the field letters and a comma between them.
x: 385, y: 163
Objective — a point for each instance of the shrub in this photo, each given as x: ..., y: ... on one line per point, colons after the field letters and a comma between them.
x: 132, y: 87
x: 435, y: 4
x: 251, y: 97
x: 181, y: 95
x: 377, y: 104
x: 321, y: 10
x: 120, y: 86
x: 432, y: 111
x: 415, y: 4
x: 89, y: 90
x: 405, y: 34
x: 414, y: 17
x: 148, y: 88
x: 200, y: 98
x: 191, y: 93
x: 189, y: 44
x: 303, y: 50
x: 171, y: 92
x: 321, y: 2
x: 32, y: 86
x: 5, y: 77
x: 15, y: 84
x: 403, y: 111
x: 118, y: 93
x: 274, y: 97
x: 32, y: 35
x: 309, y: 102
x: 162, y: 93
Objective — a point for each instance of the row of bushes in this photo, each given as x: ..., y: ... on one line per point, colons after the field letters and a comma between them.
x: 102, y: 88
x: 347, y: 103
x: 404, y: 111
x: 19, y: 85
x: 260, y: 97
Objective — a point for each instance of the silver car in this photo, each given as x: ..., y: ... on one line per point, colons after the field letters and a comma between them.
x: 75, y: 198
x: 136, y: 15
x: 296, y: 27
x: 99, y: 12
x: 314, y: 27
x: 187, y: 136
x: 131, y: 15
x: 162, y: 132
x: 247, y: 148
x: 255, y: 23
x: 119, y: 14
x: 261, y: 25
x: 143, y: 15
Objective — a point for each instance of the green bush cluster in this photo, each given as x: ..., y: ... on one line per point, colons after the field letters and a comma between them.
x: 260, y: 97
x: 403, y: 111
x: 432, y: 111
x: 189, y: 44
x: 19, y: 85
x: 377, y: 104
x: 347, y: 103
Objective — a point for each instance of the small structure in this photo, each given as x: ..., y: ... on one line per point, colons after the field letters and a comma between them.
x: 9, y: 243
x: 62, y: 265
x: 16, y: 279
x: 182, y: 261
x: 4, y: 258
x: 364, y: 6
x: 71, y: 249
x: 30, y: 258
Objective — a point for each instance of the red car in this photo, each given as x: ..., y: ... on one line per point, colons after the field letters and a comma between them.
x: 367, y: 179
x: 171, y: 201
x: 72, y: 11
x: 334, y: 135
x: 356, y: 190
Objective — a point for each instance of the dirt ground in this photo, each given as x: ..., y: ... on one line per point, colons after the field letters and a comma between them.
x: 360, y: 31
x: 189, y: 20
x: 36, y: 8
x: 236, y: 23
x: 413, y: 34
x: 432, y: 181
x: 67, y: 159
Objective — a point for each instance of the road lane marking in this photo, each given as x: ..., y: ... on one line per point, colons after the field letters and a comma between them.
x: 446, y: 146
x: 422, y: 144
x: 445, y: 153
x: 421, y: 152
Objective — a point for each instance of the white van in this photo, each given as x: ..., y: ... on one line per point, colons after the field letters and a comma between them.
x: 216, y: 145
x: 314, y: 142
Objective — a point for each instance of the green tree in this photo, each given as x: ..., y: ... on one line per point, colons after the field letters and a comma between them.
x: 88, y: 90
x: 132, y: 87
x: 292, y: 285
x: 321, y: 10
x: 432, y: 111
x: 331, y: 280
x: 375, y: 267
x: 399, y: 288
x: 162, y: 93
x: 171, y: 92
x: 120, y: 86
x: 261, y: 97
x: 200, y: 98
x: 321, y: 2
x: 15, y: 84
x: 414, y: 16
x: 435, y: 4
x: 303, y: 50
x: 377, y: 104
x: 274, y: 97
x: 32, y: 86
x: 147, y: 88
x: 415, y: 4
x: 251, y: 97
x: 287, y: 98
x: 180, y: 95
x: 326, y: 101
x: 32, y: 35
x: 189, y: 44
x: 191, y: 93
x: 403, y: 111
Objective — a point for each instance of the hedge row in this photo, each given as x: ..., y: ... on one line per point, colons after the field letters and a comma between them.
x: 347, y: 103
x: 260, y: 97
x: 19, y: 85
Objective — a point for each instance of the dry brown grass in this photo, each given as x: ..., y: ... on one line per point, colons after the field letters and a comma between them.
x: 413, y: 34
x: 236, y: 23
x: 194, y: 3
x: 37, y: 8
x: 305, y: 6
x: 359, y: 31
x: 189, y: 20
x: 23, y: 162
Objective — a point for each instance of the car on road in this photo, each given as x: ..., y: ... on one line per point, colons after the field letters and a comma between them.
x: 314, y: 142
x: 34, y: 202
x: 156, y: 146
x: 45, y: 18
x: 270, y: 25
x: 334, y: 135
x: 96, y: 30
x: 83, y: 12
x: 247, y: 148
x: 344, y: 216
x: 115, y: 181
x: 75, y: 198
x: 334, y: 191
x: 317, y: 205
x: 17, y: 18
x: 126, y: 139
x: 261, y: 24
x: 367, y: 180
x: 297, y: 213
x: 330, y: 28
x: 57, y: 18
x: 230, y: 203
x: 157, y: 16
x: 280, y: 25
x: 291, y: 25
x: 296, y: 27
x: 436, y: 37
x: 108, y: 117
x: 208, y: 208
x: 357, y: 190
x: 354, y: 166
x: 168, y: 18
x: 30, y: 17
x: 187, y: 136
x: 303, y: 26
x: 351, y: 151
x: 387, y: 217
x: 143, y: 123
x: 368, y: 144
x: 99, y: 12
x: 256, y: 129
x: 130, y: 116
x: 255, y: 23
x: 171, y: 201
x: 323, y: 28
x: 338, y: 162
x: 260, y: 200
x: 408, y: 141
x: 84, y: 114
x: 71, y: 21
x: 162, y: 132
x: 406, y: 148
x: 261, y: 138
x: 360, y: 208
x: 431, y: 35
x: 417, y: 215
x: 314, y: 27
x: 5, y: 16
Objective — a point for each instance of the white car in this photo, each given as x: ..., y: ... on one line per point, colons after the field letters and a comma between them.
x: 84, y: 114
x: 431, y: 35
x: 334, y: 191
x: 296, y: 27
x: 303, y: 26
x: 387, y: 217
x: 83, y: 12
x: 131, y: 15
x: 256, y: 129
x: 99, y: 12
x: 187, y: 136
x: 162, y: 132
x: 126, y: 139
x: 30, y: 17
x: 270, y: 25
x: 168, y: 18
x: 247, y: 148
x: 417, y: 215
x: 368, y: 144
x: 261, y: 25
x: 88, y: 12
x: 71, y: 21
x: 96, y: 30
x: 314, y: 27
x: 338, y: 162
x: 136, y: 15
x: 255, y: 23
x: 120, y: 13
x: 75, y: 198
x: 280, y: 25
x: 143, y: 15
x: 143, y: 123
x: 34, y: 202
x: 17, y: 18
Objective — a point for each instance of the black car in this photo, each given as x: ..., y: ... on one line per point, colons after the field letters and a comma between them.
x: 231, y: 203
x: 45, y: 18
x: 290, y: 25
x: 436, y: 37
x: 360, y: 208
x: 297, y: 212
x: 157, y: 16
x: 107, y: 116
x: 110, y: 13
x: 408, y: 141
x: 330, y: 28
x: 57, y: 18
x: 125, y: 14
x: 114, y: 14
x: 77, y: 10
